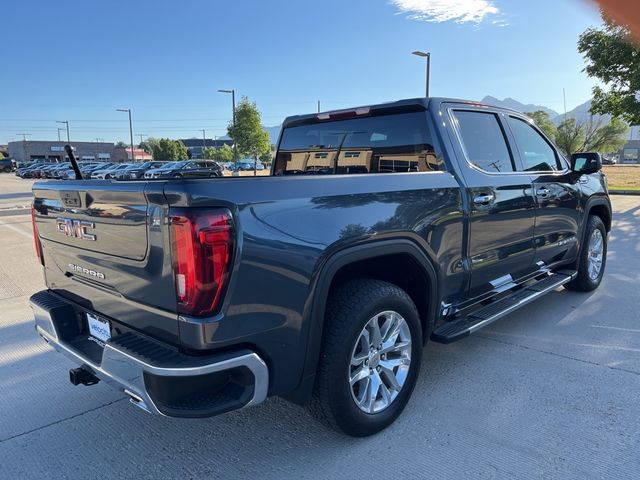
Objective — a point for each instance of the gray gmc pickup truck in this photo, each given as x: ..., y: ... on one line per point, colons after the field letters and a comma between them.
x: 378, y: 229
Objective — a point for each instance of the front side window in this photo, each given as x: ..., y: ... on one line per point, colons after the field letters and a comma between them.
x: 484, y: 141
x: 380, y: 144
x: 537, y: 155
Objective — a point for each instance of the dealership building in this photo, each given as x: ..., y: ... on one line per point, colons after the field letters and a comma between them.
x: 29, y: 150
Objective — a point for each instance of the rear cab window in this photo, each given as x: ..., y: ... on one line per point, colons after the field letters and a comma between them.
x: 484, y: 141
x: 395, y: 143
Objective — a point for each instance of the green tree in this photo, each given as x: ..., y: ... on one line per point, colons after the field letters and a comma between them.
x: 543, y: 122
x: 248, y: 134
x: 121, y: 144
x: 220, y: 154
x: 613, y: 57
x: 209, y: 153
x: 267, y: 157
x: 169, y: 150
x: 149, y: 144
x: 569, y: 136
x: 224, y: 153
x: 592, y: 135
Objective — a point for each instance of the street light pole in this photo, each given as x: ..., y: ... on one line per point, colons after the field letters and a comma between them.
x: 59, y: 134
x: 426, y: 55
x: 233, y: 102
x: 204, y: 142
x: 128, y: 110
x: 67, y: 124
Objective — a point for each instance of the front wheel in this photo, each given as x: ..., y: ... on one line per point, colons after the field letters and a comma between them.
x: 593, y: 257
x: 370, y: 358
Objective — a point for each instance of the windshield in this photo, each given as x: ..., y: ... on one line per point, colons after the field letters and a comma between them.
x: 179, y: 164
x: 382, y: 144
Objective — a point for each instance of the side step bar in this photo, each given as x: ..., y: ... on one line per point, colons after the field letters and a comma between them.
x: 465, y: 326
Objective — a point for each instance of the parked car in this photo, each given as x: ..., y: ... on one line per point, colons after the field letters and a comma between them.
x: 41, y: 171
x: 137, y: 170
x: 86, y: 170
x: 51, y: 172
x: 109, y: 172
x: 33, y: 170
x: 246, y: 165
x: 26, y: 169
x: 186, y: 169
x: 62, y: 172
x: 6, y: 165
x: 197, y: 298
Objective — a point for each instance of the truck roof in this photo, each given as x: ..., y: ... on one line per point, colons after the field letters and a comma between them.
x: 408, y: 104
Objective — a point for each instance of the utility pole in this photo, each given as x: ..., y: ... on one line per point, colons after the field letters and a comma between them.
x: 426, y: 55
x: 204, y: 141
x: 233, y: 102
x: 59, y: 134
x: 142, y: 135
x: 24, y: 136
x: 318, y: 106
x: 128, y: 110
x: 66, y: 122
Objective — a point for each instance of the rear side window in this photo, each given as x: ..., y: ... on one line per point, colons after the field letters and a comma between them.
x: 483, y: 141
x: 537, y: 155
x: 381, y: 144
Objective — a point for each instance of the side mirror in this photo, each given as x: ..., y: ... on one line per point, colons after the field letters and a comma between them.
x: 585, y: 163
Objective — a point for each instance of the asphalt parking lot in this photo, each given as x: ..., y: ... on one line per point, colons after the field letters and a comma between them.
x: 552, y: 391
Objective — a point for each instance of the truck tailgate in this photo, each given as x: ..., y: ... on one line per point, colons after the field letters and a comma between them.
x: 103, y: 246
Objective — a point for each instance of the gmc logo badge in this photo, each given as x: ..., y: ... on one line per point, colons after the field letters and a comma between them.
x: 75, y: 228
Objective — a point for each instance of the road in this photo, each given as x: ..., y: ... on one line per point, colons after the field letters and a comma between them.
x: 551, y: 391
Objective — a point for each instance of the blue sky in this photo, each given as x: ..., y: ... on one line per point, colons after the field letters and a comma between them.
x: 81, y: 60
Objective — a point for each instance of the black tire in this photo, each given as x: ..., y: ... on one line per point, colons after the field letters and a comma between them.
x: 349, y: 308
x: 583, y: 282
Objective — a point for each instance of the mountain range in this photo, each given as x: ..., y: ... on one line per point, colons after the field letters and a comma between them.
x: 581, y: 112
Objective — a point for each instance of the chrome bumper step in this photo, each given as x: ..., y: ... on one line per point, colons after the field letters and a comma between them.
x: 156, y: 378
x: 465, y: 326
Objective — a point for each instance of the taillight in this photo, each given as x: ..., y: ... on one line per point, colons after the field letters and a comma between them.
x: 202, y: 246
x: 36, y: 239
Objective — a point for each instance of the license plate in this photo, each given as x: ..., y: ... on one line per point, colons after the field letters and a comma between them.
x: 99, y: 328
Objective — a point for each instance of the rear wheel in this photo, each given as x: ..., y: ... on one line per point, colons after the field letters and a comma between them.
x: 370, y: 358
x: 593, y: 257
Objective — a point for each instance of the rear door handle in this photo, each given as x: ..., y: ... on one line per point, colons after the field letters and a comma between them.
x: 484, y: 199
x: 543, y: 192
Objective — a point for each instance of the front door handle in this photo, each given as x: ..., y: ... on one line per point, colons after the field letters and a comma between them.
x: 543, y: 192
x: 484, y: 199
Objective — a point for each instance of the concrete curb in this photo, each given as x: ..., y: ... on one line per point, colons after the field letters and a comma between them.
x: 14, y: 211
x: 624, y: 192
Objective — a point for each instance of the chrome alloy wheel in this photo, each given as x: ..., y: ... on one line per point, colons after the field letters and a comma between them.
x: 596, y: 253
x: 380, y: 361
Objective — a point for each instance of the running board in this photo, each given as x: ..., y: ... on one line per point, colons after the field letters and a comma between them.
x: 465, y: 326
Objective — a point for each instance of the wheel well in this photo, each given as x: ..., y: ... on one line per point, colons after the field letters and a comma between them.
x: 604, y: 214
x: 400, y: 269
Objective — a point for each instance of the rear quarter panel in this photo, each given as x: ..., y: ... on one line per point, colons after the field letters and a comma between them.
x: 288, y: 227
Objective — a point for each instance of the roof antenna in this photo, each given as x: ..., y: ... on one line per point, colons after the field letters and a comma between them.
x: 74, y: 162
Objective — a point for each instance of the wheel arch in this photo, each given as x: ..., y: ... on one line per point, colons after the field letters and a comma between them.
x: 351, y: 262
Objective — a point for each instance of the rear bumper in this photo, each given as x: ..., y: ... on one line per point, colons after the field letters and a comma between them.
x: 156, y: 377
